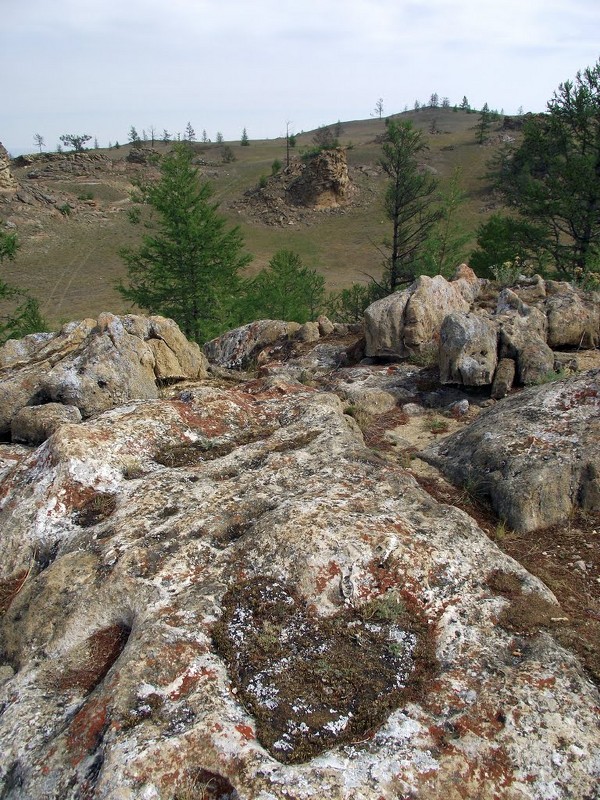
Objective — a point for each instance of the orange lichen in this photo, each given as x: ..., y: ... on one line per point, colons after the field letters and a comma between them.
x: 326, y: 574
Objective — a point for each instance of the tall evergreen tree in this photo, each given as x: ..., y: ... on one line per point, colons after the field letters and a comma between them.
x: 552, y: 177
x: 445, y: 247
x: 408, y: 200
x: 483, y: 124
x: 188, y: 268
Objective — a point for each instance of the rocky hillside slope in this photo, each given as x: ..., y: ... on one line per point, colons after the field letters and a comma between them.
x: 218, y: 584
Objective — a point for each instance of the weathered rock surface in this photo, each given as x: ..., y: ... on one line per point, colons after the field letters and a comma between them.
x: 504, y: 378
x: 95, y: 364
x: 237, y: 348
x: 323, y: 181
x: 468, y: 351
x: 192, y: 585
x: 406, y: 322
x: 534, y: 454
x: 573, y: 317
x: 8, y: 184
x: 472, y: 326
x: 34, y: 424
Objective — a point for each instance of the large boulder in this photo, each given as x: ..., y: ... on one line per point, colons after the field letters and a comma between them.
x: 573, y: 316
x: 522, y: 337
x: 409, y: 321
x: 95, y: 364
x: 534, y: 454
x: 468, y: 352
x: 34, y: 424
x: 226, y: 589
x: 236, y: 349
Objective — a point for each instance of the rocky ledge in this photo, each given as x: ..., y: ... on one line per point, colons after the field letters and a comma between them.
x: 222, y: 591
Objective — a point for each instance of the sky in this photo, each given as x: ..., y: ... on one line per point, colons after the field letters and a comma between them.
x: 99, y: 67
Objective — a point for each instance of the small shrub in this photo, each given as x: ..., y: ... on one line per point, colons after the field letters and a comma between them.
x: 65, y: 209
x: 275, y: 167
x: 132, y: 469
x: 262, y: 182
x: 550, y: 376
x: 435, y: 424
x: 507, y: 273
x: 386, y: 608
x: 427, y: 356
x: 86, y: 196
x: 95, y: 509
x: 588, y: 281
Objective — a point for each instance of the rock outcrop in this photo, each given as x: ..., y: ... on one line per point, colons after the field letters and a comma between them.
x: 8, y: 184
x: 408, y: 321
x: 524, y: 324
x: 226, y: 588
x: 94, y: 365
x: 535, y: 455
x: 236, y: 349
x: 323, y: 181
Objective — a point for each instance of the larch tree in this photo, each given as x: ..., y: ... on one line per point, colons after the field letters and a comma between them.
x: 189, y: 267
x: 552, y: 176
x: 408, y: 200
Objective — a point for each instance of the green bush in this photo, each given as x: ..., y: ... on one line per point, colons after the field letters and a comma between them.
x: 348, y: 305
x: 285, y: 290
x: 23, y: 315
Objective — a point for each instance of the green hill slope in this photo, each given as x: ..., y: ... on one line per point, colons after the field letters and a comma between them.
x: 70, y: 261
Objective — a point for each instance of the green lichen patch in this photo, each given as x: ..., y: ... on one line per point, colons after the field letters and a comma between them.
x: 312, y: 683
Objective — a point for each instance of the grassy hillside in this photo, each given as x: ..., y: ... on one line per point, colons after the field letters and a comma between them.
x: 71, y: 262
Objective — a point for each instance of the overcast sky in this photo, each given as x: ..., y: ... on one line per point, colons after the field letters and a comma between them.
x: 101, y: 66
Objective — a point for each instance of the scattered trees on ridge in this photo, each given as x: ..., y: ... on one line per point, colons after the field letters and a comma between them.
x: 76, y: 141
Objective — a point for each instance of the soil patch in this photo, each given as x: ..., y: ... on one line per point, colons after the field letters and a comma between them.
x: 312, y: 683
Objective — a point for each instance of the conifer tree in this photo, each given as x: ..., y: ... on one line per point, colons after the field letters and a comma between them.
x: 408, y: 200
x: 188, y: 268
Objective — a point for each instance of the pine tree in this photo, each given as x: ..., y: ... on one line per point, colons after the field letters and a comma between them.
x: 20, y: 312
x: 188, y: 269
x: 244, y: 141
x: 285, y: 290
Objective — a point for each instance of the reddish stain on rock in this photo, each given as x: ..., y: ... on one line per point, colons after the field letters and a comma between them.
x: 103, y: 649
x: 246, y: 732
x: 326, y: 574
x: 87, y: 729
